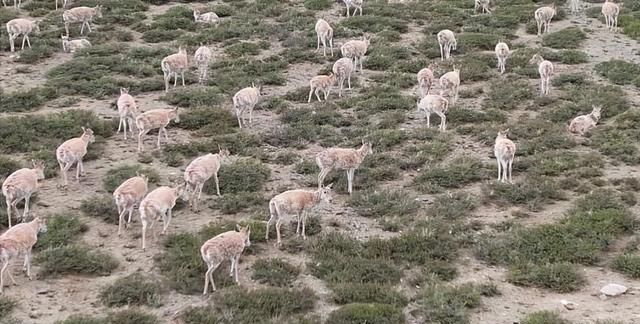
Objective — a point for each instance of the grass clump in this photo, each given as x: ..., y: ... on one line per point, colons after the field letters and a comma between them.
x: 274, y: 272
x: 29, y: 100
x: 208, y: 121
x: 6, y: 306
x: 75, y: 260
x: 568, y: 38
x: 507, y: 94
x: 366, y: 313
x: 129, y: 316
x: 439, y: 303
x: 235, y: 203
x: 8, y: 166
x: 627, y: 264
x: 134, y: 289
x: 61, y: 230
x: 544, y: 317
x: 347, y: 293
x: 559, y: 277
x: 245, y: 175
x: 116, y: 176
x: 533, y: 192
x: 456, y: 174
x: 452, y: 206
x: 102, y: 207
x: 376, y: 204
x: 619, y: 72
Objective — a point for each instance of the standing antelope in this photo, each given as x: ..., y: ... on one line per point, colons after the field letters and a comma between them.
x: 355, y: 50
x: 483, y: 5
x: 325, y: 35
x: 583, y: 123
x: 502, y: 53
x: 225, y: 246
x: 206, y: 18
x: 505, y: 151
x: 174, y: 64
x: 321, y: 83
x: 127, y: 110
x: 155, y: 118
x: 450, y: 83
x: 64, y: 4
x: 158, y: 203
x: 246, y: 99
x: 342, y: 69
x: 610, y: 11
x: 298, y: 202
x: 447, y: 41
x: 16, y: 3
x: 21, y: 184
x: 545, y: 69
x: 21, y: 26
x: 425, y: 79
x: 434, y: 104
x: 20, y: 238
x: 71, y: 46
x: 342, y: 159
x: 72, y: 151
x: 202, y: 57
x: 356, y: 4
x: 82, y: 15
x: 127, y: 195
x: 199, y: 171
x: 543, y: 16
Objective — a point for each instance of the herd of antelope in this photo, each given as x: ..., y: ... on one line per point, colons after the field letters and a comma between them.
x: 158, y: 203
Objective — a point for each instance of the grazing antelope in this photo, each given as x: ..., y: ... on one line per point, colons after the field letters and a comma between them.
x: 225, y: 246
x: 425, y: 79
x: 155, y: 118
x: 355, y: 50
x: 20, y: 238
x: 505, y: 151
x: 583, y: 123
x: 71, y: 152
x: 356, y: 4
x: 298, y: 202
x: 202, y: 57
x: 246, y: 99
x: 342, y: 69
x: 64, y: 4
x: 127, y: 195
x: 16, y: 3
x: 543, y: 16
x: 127, y: 110
x: 447, y: 41
x: 71, y: 46
x: 450, y: 83
x: 82, y: 15
x: 483, y: 5
x: 342, y: 159
x: 502, y: 53
x: 434, y: 104
x: 199, y: 171
x: 325, y: 35
x: 158, y: 203
x: 21, y: 26
x: 174, y: 64
x: 321, y: 83
x: 545, y: 69
x: 610, y: 11
x: 21, y: 184
x: 206, y: 18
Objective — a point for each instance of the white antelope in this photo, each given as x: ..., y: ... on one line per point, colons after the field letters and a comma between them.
x: 246, y: 99
x: 543, y: 16
x: 425, y: 79
x: 21, y: 184
x: 205, y: 18
x: 298, y: 202
x: 82, y: 15
x: 127, y: 195
x: 545, y: 69
x: 158, y: 203
x: 127, y: 111
x: 482, y: 5
x: 450, y: 84
x: 502, y: 53
x: 21, y: 26
x: 72, y: 151
x: 342, y: 69
x: 20, y: 238
x: 199, y: 171
x: 434, y: 104
x: 505, y: 151
x: 342, y: 159
x: 355, y: 50
x: 325, y: 35
x: 174, y: 64
x: 581, y: 124
x: 225, y: 246
x: 447, y: 41
x: 610, y: 11
x: 155, y: 118
x: 321, y: 83
x: 71, y: 46
x: 202, y: 57
x: 356, y: 4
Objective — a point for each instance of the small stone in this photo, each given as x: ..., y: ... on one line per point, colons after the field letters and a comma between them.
x: 568, y: 305
x: 613, y: 290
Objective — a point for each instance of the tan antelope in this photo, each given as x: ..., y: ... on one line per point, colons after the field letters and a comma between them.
x: 543, y: 16
x: 450, y: 84
x: 342, y: 69
x: 72, y: 151
x: 505, y: 151
x: 158, y: 203
x: 21, y: 184
x: 545, y: 69
x: 155, y: 118
x: 447, y: 41
x: 82, y: 15
x: 482, y: 5
x: 298, y: 202
x: 127, y: 110
x: 246, y: 99
x: 64, y: 4
x: 425, y: 79
x: 205, y: 18
x: 502, y: 53
x: 325, y: 35
x: 199, y: 171
x: 174, y: 64
x: 71, y: 46
x: 225, y: 246
x: 321, y: 83
x: 610, y: 11
x: 21, y: 26
x: 127, y: 195
x: 355, y: 50
x: 581, y: 124
x: 356, y: 4
x: 18, y: 239
x: 342, y: 159
x: 434, y: 104
x: 202, y: 57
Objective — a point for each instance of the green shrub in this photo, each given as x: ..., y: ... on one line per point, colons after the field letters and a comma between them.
x: 198, y: 98
x: 440, y: 303
x: 568, y: 38
x: 102, y: 207
x: 8, y: 166
x: 62, y: 230
x: 234, y: 203
x: 29, y: 100
x: 346, y: 293
x: 75, y: 260
x: 544, y: 317
x: 558, y: 277
x: 533, y: 192
x: 366, y: 313
x: 274, y: 272
x: 627, y: 264
x: 452, y: 206
x: 132, y: 316
x: 6, y: 306
x: 619, y: 72
x: 455, y: 174
x: 507, y: 94
x: 134, y: 289
x: 317, y: 4
x: 245, y: 175
x: 384, y: 203
x: 116, y: 176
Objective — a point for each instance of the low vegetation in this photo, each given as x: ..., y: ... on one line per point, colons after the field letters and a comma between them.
x: 135, y: 289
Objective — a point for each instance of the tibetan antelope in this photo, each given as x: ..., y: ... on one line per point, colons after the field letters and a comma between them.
x: 543, y: 16
x: 450, y: 84
x: 321, y: 83
x: 425, y: 79
x: 355, y: 50
x: 158, y: 203
x: 71, y: 152
x: 502, y: 53
x: 581, y: 124
x: 447, y: 41
x: 174, y: 64
x: 127, y: 111
x: 545, y: 69
x: 246, y: 99
x: 155, y: 118
x: 202, y: 57
x: 325, y: 35
x: 483, y: 5
x: 434, y: 104
x: 199, y: 171
x: 82, y: 15
x: 342, y: 159
x: 225, y: 246
x: 21, y: 26
x: 127, y: 195
x: 21, y: 184
x: 71, y: 46
x: 206, y: 18
x: 610, y: 11
x: 505, y: 151
x: 342, y: 69
x: 356, y: 4
x: 19, y: 239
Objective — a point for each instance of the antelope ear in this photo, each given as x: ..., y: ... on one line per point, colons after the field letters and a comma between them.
x: 329, y: 186
x: 238, y: 228
x: 83, y: 129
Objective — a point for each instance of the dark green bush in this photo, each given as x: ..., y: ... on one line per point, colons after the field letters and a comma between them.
x: 346, y: 293
x: 102, y: 207
x: 246, y: 175
x: 116, y: 176
x: 544, y: 317
x: 274, y: 272
x: 134, y: 289
x: 568, y: 38
x: 627, y: 264
x: 384, y: 203
x: 366, y: 313
x: 75, y: 260
x: 62, y: 230
x: 559, y: 277
x: 6, y: 306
